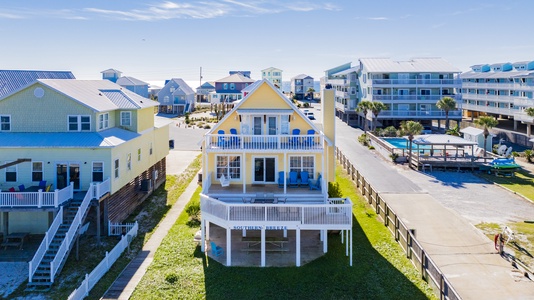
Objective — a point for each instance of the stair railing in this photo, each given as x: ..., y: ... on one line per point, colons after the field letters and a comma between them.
x: 45, y: 244
x: 71, y: 233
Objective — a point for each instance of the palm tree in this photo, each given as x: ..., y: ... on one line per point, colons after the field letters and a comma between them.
x: 364, y: 107
x: 376, y: 108
x: 530, y: 113
x: 487, y: 123
x: 446, y: 104
x: 411, y: 128
x: 453, y: 131
x: 310, y: 92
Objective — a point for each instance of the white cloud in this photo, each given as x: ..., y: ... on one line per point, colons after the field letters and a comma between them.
x: 10, y: 15
x: 378, y: 19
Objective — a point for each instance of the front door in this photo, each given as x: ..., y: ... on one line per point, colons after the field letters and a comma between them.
x: 67, y: 173
x: 264, y: 170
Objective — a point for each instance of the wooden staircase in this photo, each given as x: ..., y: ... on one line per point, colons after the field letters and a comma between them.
x: 42, y: 279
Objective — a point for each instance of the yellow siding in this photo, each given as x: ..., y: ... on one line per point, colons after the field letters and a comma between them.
x: 46, y: 114
x: 144, y: 119
x: 32, y: 222
x: 265, y: 97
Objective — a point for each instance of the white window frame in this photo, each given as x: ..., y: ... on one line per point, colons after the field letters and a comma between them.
x: 93, y: 170
x: 126, y: 115
x: 226, y: 168
x: 301, y: 167
x: 150, y: 151
x: 116, y: 168
x: 79, y: 123
x: 103, y: 121
x: 10, y: 170
x: 2, y: 123
x: 139, y: 154
x: 129, y: 161
x: 37, y: 171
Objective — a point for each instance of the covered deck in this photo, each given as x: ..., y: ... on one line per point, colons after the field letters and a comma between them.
x: 267, y: 143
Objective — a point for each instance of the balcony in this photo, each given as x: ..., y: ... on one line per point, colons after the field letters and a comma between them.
x: 490, y: 109
x: 489, y: 97
x: 419, y: 98
x: 492, y: 85
x: 523, y: 117
x: 523, y: 101
x: 341, y: 94
x: 341, y: 82
x: 436, y: 114
x: 264, y: 143
x: 424, y: 82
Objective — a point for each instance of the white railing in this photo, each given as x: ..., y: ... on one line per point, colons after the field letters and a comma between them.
x: 102, y: 188
x: 45, y: 243
x: 206, y: 183
x: 523, y: 117
x: 490, y: 109
x: 416, y: 81
x: 334, y: 212
x: 489, y: 97
x: 523, y: 101
x: 410, y: 113
x: 495, y: 85
x: 62, y: 251
x: 413, y: 97
x: 36, y: 199
x: 92, y: 278
x: 115, y: 229
x: 264, y: 142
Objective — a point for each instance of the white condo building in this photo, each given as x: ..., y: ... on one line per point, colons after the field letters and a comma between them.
x: 344, y: 81
x: 500, y: 89
x: 410, y: 89
x: 273, y: 75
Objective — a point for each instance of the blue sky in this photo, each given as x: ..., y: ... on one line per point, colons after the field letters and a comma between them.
x: 156, y: 40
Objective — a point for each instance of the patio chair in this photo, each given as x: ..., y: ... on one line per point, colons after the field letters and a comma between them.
x: 293, y: 181
x: 281, y: 179
x: 304, y: 178
x: 221, y: 140
x: 216, y: 250
x: 42, y: 184
x: 12, y: 189
x: 224, y: 181
x: 309, y: 139
x: 316, y: 184
x: 48, y: 188
x: 295, y: 139
x: 22, y: 188
x: 234, y: 140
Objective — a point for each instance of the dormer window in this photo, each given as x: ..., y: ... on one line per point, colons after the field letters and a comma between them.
x: 126, y: 118
x: 103, y: 121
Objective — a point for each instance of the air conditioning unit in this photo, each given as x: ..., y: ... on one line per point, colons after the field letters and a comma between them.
x: 146, y: 185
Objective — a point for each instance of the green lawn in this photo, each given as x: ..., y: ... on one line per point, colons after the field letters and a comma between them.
x: 522, y: 183
x: 380, y: 269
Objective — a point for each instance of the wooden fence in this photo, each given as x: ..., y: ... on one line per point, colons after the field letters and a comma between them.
x: 403, y: 235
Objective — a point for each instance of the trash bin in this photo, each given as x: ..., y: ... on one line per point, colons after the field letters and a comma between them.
x: 200, y: 178
x: 171, y: 144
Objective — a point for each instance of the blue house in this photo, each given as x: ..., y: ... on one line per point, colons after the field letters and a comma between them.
x: 204, y: 90
x: 132, y: 84
x: 111, y: 75
x: 228, y: 89
x: 176, y: 97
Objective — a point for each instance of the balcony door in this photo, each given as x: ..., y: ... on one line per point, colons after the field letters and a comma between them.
x: 67, y: 172
x: 264, y: 169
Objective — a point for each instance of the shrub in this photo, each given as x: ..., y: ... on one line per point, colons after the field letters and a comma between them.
x: 389, y: 131
x: 171, y: 278
x: 207, y: 126
x: 494, y: 149
x: 193, y: 210
x: 529, y: 154
x: 306, y: 104
x: 363, y: 139
x: 334, y: 191
x: 371, y: 147
x: 394, y: 156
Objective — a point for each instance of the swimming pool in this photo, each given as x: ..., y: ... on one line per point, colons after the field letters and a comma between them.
x: 402, y: 143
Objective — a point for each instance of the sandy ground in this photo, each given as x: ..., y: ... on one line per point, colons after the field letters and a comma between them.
x: 12, y: 275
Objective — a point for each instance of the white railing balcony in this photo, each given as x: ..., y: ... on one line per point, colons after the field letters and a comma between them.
x: 342, y: 94
x: 337, y: 81
x: 491, y: 85
x: 36, y: 199
x: 433, y: 98
x: 523, y: 101
x: 416, y: 82
x: 419, y: 114
x: 333, y: 212
x: 255, y: 143
x: 489, y: 97
x: 490, y: 109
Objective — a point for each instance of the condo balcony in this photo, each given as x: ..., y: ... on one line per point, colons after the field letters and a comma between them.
x: 419, y: 98
x: 423, y: 114
x: 523, y: 117
x: 492, y: 85
x: 408, y: 82
x: 523, y: 101
x: 490, y: 109
x: 489, y: 97
x: 264, y: 143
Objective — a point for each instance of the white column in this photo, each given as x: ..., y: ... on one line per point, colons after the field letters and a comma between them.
x: 325, y: 241
x: 351, y: 247
x: 263, y: 246
x: 342, y: 233
x: 244, y: 172
x: 285, y: 173
x: 244, y: 232
x: 321, y: 235
x: 208, y: 230
x: 228, y: 246
x: 297, y: 250
x: 347, y: 244
x: 202, y: 238
x: 285, y: 232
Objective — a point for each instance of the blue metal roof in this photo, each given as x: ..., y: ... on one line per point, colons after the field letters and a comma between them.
x: 13, y: 80
x: 119, y: 99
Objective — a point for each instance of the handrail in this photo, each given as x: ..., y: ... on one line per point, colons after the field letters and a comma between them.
x: 36, y: 199
x: 69, y: 236
x: 264, y: 142
x: 45, y: 243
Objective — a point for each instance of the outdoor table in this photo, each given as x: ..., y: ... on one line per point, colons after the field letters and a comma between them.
x: 15, y: 239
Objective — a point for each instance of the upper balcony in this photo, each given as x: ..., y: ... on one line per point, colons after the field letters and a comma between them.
x: 523, y: 101
x: 418, y: 98
x: 342, y: 94
x: 422, y: 114
x: 338, y: 81
x: 489, y: 97
x: 415, y: 82
x: 264, y: 143
x: 489, y: 109
x: 492, y: 85
x: 523, y: 117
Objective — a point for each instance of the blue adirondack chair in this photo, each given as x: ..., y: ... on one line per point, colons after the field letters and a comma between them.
x: 221, y: 142
x: 216, y: 250
x: 316, y: 184
x: 293, y: 181
x: 234, y: 139
x: 281, y: 179
x: 295, y: 140
x: 304, y: 178
x: 309, y: 139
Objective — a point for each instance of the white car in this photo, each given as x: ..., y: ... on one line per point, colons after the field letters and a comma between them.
x: 309, y: 114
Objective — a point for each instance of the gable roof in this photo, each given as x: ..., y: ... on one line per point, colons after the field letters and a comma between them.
x: 425, y: 64
x: 206, y: 85
x: 302, y: 76
x: 238, y: 77
x: 111, y: 71
x: 183, y: 86
x: 99, y: 95
x: 129, y: 81
x: 13, y: 80
x: 271, y: 68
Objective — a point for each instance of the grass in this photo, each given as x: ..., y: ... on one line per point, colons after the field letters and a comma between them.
x: 380, y: 269
x: 148, y: 214
x: 522, y: 183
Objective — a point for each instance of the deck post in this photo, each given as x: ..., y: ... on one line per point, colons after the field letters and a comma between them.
x: 347, y: 243
x: 244, y: 173
x: 342, y: 233
x: 351, y: 247
x: 325, y: 241
x: 207, y: 230
x: 297, y: 245
x: 285, y: 231
x: 202, y: 238
x: 98, y: 220
x: 228, y: 246
x: 321, y: 235
x: 263, y: 246
x: 244, y: 232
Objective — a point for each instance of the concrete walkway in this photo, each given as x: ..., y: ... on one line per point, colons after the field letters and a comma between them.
x: 125, y: 284
x: 462, y: 252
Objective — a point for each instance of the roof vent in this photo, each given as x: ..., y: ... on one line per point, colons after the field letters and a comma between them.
x: 38, y: 92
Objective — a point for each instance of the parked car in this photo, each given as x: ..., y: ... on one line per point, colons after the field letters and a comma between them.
x: 310, y: 115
